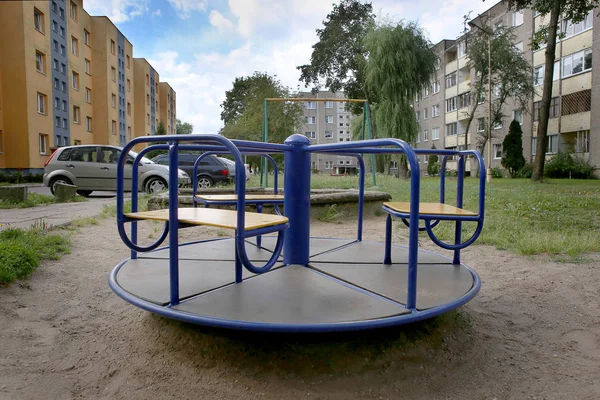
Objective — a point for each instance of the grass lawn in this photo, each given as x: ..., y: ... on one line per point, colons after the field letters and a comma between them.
x: 556, y: 217
x: 35, y: 199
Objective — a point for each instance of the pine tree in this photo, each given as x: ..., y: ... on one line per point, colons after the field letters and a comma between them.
x: 512, y: 145
x: 433, y: 165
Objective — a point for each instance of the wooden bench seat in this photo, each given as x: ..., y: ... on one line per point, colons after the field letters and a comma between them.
x: 212, y: 217
x: 234, y: 197
x: 430, y: 208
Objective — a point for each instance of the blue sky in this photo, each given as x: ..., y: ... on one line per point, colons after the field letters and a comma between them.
x: 200, y: 46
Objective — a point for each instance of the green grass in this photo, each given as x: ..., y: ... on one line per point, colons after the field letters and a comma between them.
x: 35, y: 199
x: 111, y: 211
x: 22, y: 251
x: 556, y: 217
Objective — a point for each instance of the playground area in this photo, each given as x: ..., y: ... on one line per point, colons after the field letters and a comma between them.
x: 532, y: 332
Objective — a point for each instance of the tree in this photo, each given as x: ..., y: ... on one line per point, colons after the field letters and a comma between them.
x: 184, y: 128
x: 339, y: 56
x: 511, y: 76
x: 243, y: 109
x: 571, y: 10
x: 433, y: 165
x: 160, y: 129
x: 512, y: 146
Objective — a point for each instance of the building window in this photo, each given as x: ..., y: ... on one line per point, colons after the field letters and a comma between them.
x: 480, y: 124
x: 38, y: 20
x: 57, y: 103
x: 554, y: 108
x: 328, y: 164
x: 497, y: 151
x: 86, y: 37
x: 518, y: 116
x: 517, y: 18
x: 552, y: 144
x: 113, y: 100
x: 147, y: 119
x: 112, y: 47
x: 113, y: 74
x: 65, y: 123
x: 497, y: 125
x: 41, y: 103
x: 88, y: 66
x: 462, y: 48
x: 310, y: 105
x: 418, y: 139
x: 43, y: 144
x: 76, y: 112
x: 329, y: 119
x: 426, y: 91
x: 435, y: 133
x: 61, y: 12
x: 88, y: 124
x: 75, y: 78
x: 328, y: 135
x: 519, y: 47
x: 570, y: 29
x: 147, y: 99
x: 464, y: 100
x: 418, y: 116
x: 63, y: 32
x: 56, y: 64
x: 310, y: 135
x: 55, y: 45
x: 329, y: 104
x: 451, y: 104
x: 57, y: 122
x: 451, y: 129
x: 147, y: 80
x: 128, y: 86
x: 73, y: 12
x: 451, y: 80
x: 310, y: 120
x: 63, y: 85
x: 577, y: 62
x: 128, y: 108
x: 129, y: 131
x: 74, y: 46
x: 128, y: 61
x: 425, y: 135
x: 425, y: 112
x: 435, y: 110
x: 538, y: 75
x: 88, y: 95
x: 113, y: 127
x: 63, y: 50
x: 40, y: 62
x: 63, y: 68
x: 435, y: 87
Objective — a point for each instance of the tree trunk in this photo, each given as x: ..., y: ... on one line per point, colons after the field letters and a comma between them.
x: 544, y: 112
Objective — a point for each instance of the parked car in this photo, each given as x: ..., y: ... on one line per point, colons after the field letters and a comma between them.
x: 211, y: 169
x: 94, y: 167
x: 231, y: 166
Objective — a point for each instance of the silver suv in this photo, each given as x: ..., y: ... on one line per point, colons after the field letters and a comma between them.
x: 94, y: 167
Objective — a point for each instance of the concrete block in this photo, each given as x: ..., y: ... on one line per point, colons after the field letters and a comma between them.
x: 64, y: 192
x: 14, y: 193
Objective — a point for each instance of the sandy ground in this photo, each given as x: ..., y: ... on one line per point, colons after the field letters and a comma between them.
x: 533, y: 332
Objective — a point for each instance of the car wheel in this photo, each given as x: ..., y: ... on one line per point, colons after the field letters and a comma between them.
x: 84, y: 193
x: 204, y: 182
x: 59, y: 179
x: 156, y: 185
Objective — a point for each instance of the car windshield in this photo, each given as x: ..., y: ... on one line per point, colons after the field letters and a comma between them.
x: 227, y: 161
x: 144, y: 159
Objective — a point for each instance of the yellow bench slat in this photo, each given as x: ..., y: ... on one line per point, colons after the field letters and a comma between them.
x: 430, y: 208
x: 230, y: 197
x: 212, y: 217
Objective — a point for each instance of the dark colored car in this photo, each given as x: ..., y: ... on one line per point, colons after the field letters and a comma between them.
x: 211, y: 170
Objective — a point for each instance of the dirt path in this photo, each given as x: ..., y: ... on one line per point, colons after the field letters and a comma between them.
x: 532, y: 332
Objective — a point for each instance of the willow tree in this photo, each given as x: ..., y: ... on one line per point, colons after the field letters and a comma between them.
x: 400, y: 63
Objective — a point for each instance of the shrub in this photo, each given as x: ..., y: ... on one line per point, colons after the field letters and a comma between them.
x: 526, y: 171
x: 497, y: 173
x: 433, y: 165
x: 512, y: 145
x: 567, y: 165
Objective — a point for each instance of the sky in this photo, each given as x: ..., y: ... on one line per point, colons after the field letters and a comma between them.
x: 200, y: 46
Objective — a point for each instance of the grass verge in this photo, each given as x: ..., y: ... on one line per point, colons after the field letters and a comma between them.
x: 35, y: 199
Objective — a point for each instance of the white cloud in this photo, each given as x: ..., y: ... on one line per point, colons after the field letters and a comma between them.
x: 117, y: 10
x: 156, y: 13
x: 185, y: 8
x: 219, y: 21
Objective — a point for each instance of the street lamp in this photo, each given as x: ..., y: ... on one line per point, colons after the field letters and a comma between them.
x: 489, y: 139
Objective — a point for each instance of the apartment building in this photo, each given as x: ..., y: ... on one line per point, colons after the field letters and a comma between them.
x: 328, y: 122
x: 441, y: 110
x: 167, y: 107
x: 66, y: 78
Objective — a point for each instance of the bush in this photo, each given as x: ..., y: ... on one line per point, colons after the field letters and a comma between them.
x: 513, y: 159
x: 567, y: 165
x: 433, y: 165
x: 526, y: 171
x: 497, y: 173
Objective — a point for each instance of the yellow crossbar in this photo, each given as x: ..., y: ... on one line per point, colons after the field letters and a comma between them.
x: 430, y: 208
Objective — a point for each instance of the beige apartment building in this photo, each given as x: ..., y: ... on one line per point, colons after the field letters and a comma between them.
x: 168, y: 114
x: 441, y: 109
x: 68, y: 78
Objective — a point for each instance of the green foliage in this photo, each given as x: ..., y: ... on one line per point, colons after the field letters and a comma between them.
x: 497, y: 173
x: 243, y: 110
x: 512, y: 146
x: 567, y: 165
x: 35, y: 199
x: 433, y: 164
x: 184, y: 128
x: 160, y: 129
x: 339, y: 55
x: 331, y: 214
x: 22, y: 251
x: 526, y: 171
x: 20, y: 177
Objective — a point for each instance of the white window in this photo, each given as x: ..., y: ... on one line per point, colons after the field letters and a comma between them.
x: 425, y: 112
x: 497, y: 149
x: 577, y: 62
x: 552, y: 144
x: 57, y: 122
x: 451, y: 80
x: 41, y: 103
x: 497, y: 125
x: 518, y: 116
x: 451, y: 129
x: 76, y: 112
x: 57, y: 103
x: 63, y: 68
x: 435, y: 133
x: 517, y: 18
x: 88, y: 66
x: 480, y: 124
x: 86, y: 37
x: 569, y: 29
x: 75, y: 79
x: 462, y: 48
x: 88, y: 95
x: 114, y: 127
x: 56, y: 64
x: 538, y: 75
x: 43, y: 143
x: 63, y: 50
x: 329, y: 104
x: 38, y: 20
x: 64, y: 105
x: 73, y: 11
x: 55, y: 26
x: 426, y: 91
x: 451, y: 104
x: 341, y: 107
x: 328, y: 135
x: 113, y: 100
x: 328, y: 164
x: 74, y: 46
x: 88, y: 124
x: 40, y: 62
x: 65, y: 123
x: 556, y: 71
x: 310, y: 120
x: 519, y: 47
x: 62, y: 31
x: 310, y: 105
x: 310, y: 135
x: 329, y: 119
x: 418, y: 116
x: 425, y: 135
x: 533, y: 146
x: 435, y: 110
x: 418, y: 137
x: 435, y: 87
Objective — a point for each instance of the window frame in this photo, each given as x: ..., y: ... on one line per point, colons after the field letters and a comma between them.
x: 38, y: 16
